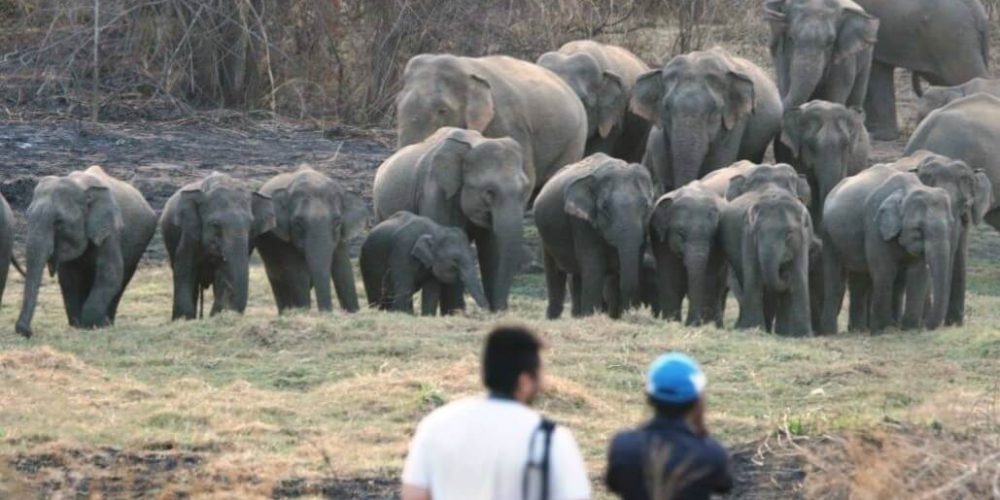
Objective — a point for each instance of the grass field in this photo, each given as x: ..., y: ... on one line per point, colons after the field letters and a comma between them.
x: 309, y: 403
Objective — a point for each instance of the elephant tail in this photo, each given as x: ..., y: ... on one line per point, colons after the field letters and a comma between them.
x: 20, y: 270
x: 915, y: 82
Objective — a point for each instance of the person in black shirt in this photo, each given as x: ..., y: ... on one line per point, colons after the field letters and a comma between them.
x: 671, y: 456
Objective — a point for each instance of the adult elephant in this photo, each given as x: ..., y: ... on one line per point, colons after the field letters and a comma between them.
x: 315, y: 219
x: 91, y: 229
x: 881, y: 226
x: 827, y: 142
x: 208, y: 227
x: 6, y: 244
x: 603, y: 77
x: 970, y: 193
x: 497, y: 96
x: 708, y: 109
x: 459, y: 178
x: 939, y: 97
x: 591, y: 218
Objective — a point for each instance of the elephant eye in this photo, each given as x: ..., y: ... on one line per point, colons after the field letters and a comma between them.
x: 442, y: 111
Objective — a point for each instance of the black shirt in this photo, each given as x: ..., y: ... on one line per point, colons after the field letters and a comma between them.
x: 665, y: 459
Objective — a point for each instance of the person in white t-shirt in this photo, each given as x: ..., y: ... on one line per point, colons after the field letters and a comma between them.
x: 478, y: 448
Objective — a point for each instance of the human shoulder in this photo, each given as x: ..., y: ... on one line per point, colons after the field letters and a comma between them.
x: 451, y: 411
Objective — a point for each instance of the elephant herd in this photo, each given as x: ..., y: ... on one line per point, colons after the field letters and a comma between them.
x: 645, y: 185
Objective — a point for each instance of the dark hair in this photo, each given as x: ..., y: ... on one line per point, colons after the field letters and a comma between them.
x: 671, y: 410
x: 509, y: 352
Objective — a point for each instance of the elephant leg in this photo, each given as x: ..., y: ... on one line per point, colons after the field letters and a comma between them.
x: 884, y: 271
x: 555, y: 285
x: 287, y: 273
x: 898, y: 292
x: 752, y: 306
x: 880, y: 103
x: 816, y: 295
x: 861, y: 286
x: 612, y: 290
x: 833, y: 288
x: 430, y: 297
x: 770, y: 311
x: 452, y: 298
x: 593, y: 271
x: 106, y: 284
x: 343, y: 279
x: 797, y: 304
x: 671, y: 280
x: 75, y: 283
x: 403, y: 287
x: 916, y: 281
x: 576, y: 291
x: 956, y: 302
x: 113, y: 307
x: 488, y: 263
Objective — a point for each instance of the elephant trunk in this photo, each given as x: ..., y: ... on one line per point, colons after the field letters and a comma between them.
x: 40, y: 247
x: 319, y: 259
x: 472, y: 283
x: 770, y: 258
x: 829, y: 171
x: 236, y: 276
x: 939, y: 260
x: 508, y: 236
x: 629, y: 272
x: 805, y: 73
x: 689, y: 145
x: 696, y: 265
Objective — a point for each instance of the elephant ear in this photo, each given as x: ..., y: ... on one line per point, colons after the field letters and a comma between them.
x: 647, y: 95
x: 580, y: 202
x: 858, y: 31
x: 104, y: 218
x: 660, y: 218
x: 611, y: 102
x: 736, y: 186
x: 741, y: 99
x: 774, y: 14
x: 751, y: 219
x: 187, y: 217
x: 262, y: 207
x: 446, y: 160
x: 479, y: 107
x: 802, y: 190
x: 353, y: 216
x: 983, y: 196
x: 791, y: 130
x: 280, y: 200
x: 890, y: 217
x: 423, y: 250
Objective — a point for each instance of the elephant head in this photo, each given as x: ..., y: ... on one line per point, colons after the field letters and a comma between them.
x: 67, y: 217
x: 439, y: 92
x: 920, y: 220
x: 810, y: 36
x: 603, y: 93
x: 823, y: 136
x: 764, y: 177
x: 219, y: 217
x: 970, y: 191
x: 780, y: 228
x: 484, y: 180
x: 615, y: 198
x: 695, y: 99
x: 936, y: 98
x: 449, y: 257
x: 686, y: 220
x: 317, y: 217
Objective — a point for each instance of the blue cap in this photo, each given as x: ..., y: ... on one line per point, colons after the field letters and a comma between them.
x: 675, y: 378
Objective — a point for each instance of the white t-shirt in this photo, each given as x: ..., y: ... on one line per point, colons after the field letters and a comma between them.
x: 478, y: 449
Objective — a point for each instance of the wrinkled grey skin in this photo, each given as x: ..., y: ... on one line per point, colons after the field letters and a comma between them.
x: 822, y: 50
x: 877, y: 226
x: 307, y: 248
x: 708, y: 109
x: 6, y: 244
x: 498, y: 96
x: 768, y: 239
x: 650, y: 289
x: 458, y: 178
x: 591, y: 218
x: 827, y: 142
x: 939, y: 97
x: 603, y: 77
x: 406, y: 253
x: 91, y: 230
x: 683, y: 232
x: 208, y: 228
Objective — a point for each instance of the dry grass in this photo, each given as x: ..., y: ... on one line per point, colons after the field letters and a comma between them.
x: 249, y: 403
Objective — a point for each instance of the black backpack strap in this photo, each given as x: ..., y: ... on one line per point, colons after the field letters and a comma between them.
x: 546, y: 427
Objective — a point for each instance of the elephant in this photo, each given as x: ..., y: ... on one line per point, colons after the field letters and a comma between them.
x: 821, y: 49
x: 881, y: 226
x: 91, y: 230
x: 315, y: 219
x: 591, y: 217
x: 603, y: 77
x: 970, y: 194
x: 208, y: 230
x: 769, y: 240
x: 6, y: 244
x: 459, y: 178
x: 708, y: 109
x: 683, y: 232
x: 827, y: 142
x: 938, y: 97
x: 406, y: 253
x: 497, y: 96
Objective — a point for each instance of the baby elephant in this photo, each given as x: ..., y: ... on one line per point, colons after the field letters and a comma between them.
x: 939, y: 97
x: 406, y: 253
x: 689, y: 259
x: 592, y: 220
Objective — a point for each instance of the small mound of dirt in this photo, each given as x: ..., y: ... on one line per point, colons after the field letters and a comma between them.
x: 366, y: 488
